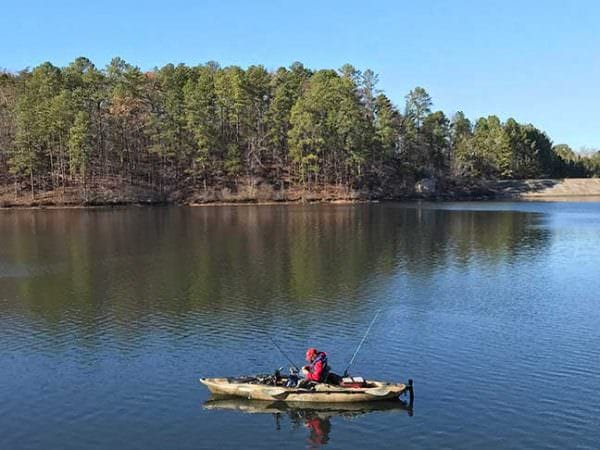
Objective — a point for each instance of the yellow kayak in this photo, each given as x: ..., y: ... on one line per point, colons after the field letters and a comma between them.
x: 251, y: 388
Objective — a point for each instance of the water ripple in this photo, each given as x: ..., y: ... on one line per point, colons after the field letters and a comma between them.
x: 108, y: 318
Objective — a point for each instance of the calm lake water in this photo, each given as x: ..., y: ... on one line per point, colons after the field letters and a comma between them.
x: 109, y: 317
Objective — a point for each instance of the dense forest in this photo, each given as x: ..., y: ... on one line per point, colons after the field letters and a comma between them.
x: 190, y: 129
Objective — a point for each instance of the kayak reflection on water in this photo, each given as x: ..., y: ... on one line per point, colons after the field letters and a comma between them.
x: 316, y: 417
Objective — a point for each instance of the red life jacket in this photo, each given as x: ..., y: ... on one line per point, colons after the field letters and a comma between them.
x: 318, y: 368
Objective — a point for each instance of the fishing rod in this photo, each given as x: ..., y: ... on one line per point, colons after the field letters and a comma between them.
x: 361, y: 343
x: 283, y: 353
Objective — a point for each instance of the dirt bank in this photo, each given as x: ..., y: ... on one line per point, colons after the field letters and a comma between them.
x: 110, y: 194
x: 550, y: 189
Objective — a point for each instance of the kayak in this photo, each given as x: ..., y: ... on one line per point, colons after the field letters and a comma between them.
x: 259, y: 388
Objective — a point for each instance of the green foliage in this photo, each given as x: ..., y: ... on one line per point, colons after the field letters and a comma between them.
x: 80, y: 145
x: 387, y: 128
x: 9, y: 86
x: 463, y: 156
x: 426, y: 137
x: 330, y: 136
x: 568, y: 163
x: 437, y: 135
x: 492, y: 150
x: 202, y: 118
x: 286, y: 88
x: 40, y: 121
x: 167, y: 120
x: 233, y: 161
x: 418, y: 106
x: 180, y: 126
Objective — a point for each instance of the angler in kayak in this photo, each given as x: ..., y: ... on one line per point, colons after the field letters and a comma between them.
x: 317, y: 369
x: 319, y: 384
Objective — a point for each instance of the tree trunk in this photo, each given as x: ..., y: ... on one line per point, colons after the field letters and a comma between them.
x: 52, y: 169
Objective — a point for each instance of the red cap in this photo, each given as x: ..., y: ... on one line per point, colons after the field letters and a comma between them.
x: 311, y: 353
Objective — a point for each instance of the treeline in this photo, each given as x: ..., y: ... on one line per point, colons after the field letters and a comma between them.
x: 195, y: 127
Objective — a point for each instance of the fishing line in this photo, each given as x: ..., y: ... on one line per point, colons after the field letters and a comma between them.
x: 283, y: 353
x: 361, y: 343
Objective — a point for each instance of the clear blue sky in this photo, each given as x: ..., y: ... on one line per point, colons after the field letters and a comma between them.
x: 537, y: 61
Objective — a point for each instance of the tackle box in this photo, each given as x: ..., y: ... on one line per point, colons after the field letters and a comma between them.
x: 353, y: 382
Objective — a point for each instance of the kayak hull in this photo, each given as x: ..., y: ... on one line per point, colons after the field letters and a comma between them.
x: 321, y: 393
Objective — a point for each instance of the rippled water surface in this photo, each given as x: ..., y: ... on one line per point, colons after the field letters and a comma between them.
x: 108, y: 318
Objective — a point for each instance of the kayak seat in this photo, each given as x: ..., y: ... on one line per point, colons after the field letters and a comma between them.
x: 333, y: 378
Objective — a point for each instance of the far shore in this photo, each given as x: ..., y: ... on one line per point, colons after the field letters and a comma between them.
x: 550, y: 190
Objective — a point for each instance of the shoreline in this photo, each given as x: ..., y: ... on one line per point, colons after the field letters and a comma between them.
x: 114, y: 206
x: 547, y: 190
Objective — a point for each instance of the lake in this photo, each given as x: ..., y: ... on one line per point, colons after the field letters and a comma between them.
x: 108, y: 318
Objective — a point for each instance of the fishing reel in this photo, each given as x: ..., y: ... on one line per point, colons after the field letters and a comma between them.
x: 277, y: 374
x: 293, y: 378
